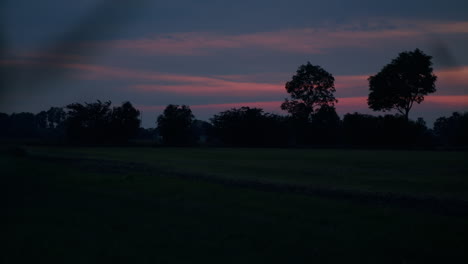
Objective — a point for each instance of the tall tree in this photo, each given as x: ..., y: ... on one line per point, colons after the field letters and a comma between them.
x: 175, y: 125
x: 310, y: 88
x: 406, y: 80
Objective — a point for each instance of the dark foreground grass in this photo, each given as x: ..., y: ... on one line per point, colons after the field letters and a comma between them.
x: 136, y: 206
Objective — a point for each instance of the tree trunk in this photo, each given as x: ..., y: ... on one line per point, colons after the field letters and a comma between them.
x: 407, y: 114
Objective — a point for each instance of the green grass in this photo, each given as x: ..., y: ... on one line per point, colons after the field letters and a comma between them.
x: 64, y: 209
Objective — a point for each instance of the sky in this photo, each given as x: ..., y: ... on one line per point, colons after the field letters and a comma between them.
x: 217, y: 55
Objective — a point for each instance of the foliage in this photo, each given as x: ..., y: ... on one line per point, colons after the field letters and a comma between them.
x: 324, y: 126
x: 175, y: 125
x: 384, y: 131
x: 406, y: 80
x: 88, y: 122
x: 247, y: 126
x: 201, y: 131
x: 310, y: 88
x: 125, y: 122
x: 21, y: 125
x: 452, y: 130
x: 98, y: 123
x: 55, y: 117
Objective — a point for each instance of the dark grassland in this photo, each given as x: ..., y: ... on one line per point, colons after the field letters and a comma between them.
x: 147, y: 205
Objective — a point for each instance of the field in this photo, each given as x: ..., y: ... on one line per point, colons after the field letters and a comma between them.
x: 164, y: 205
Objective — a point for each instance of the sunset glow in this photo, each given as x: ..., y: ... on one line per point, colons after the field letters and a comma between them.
x: 219, y: 64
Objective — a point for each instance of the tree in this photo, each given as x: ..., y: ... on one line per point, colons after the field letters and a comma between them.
x: 22, y: 125
x: 310, y: 88
x: 55, y: 117
x: 125, y: 122
x: 247, y: 126
x: 452, y: 130
x: 201, y: 131
x: 407, y: 79
x: 175, y: 125
x: 324, y: 126
x: 98, y: 123
x: 89, y: 123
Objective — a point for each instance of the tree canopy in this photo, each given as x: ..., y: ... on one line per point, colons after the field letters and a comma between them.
x: 99, y: 123
x: 453, y: 130
x: 247, y: 126
x: 310, y: 88
x: 175, y: 125
x: 401, y: 83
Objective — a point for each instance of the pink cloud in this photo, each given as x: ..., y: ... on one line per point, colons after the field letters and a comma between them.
x: 453, y: 77
x: 451, y: 81
x: 271, y: 106
x: 345, y: 105
x: 51, y: 56
x: 214, y: 87
x: 431, y: 102
x: 460, y: 101
x: 302, y: 40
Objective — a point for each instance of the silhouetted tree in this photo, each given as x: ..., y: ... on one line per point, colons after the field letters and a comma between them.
x: 324, y: 126
x: 453, y: 130
x: 247, y: 126
x: 89, y: 123
x: 310, y: 88
x: 56, y: 117
x: 125, y: 122
x: 361, y: 130
x: 175, y: 125
x: 41, y: 120
x: 384, y: 131
x: 146, y: 134
x: 407, y: 79
x: 98, y: 123
x: 201, y: 131
x: 4, y: 124
x: 396, y: 130
x: 26, y: 126
x: 22, y: 125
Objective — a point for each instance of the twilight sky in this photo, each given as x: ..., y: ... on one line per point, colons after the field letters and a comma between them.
x: 215, y: 55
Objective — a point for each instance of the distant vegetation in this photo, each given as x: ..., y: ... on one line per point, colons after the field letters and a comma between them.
x: 98, y: 123
x: 312, y: 119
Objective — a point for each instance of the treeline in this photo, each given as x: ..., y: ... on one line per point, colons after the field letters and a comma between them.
x: 100, y: 123
x: 88, y: 123
x: 312, y: 119
x: 252, y: 127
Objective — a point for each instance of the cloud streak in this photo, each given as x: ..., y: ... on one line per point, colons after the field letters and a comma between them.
x: 299, y: 40
x: 451, y: 81
x: 345, y: 105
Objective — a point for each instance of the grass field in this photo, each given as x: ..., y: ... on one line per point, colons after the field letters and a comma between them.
x: 150, y: 205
